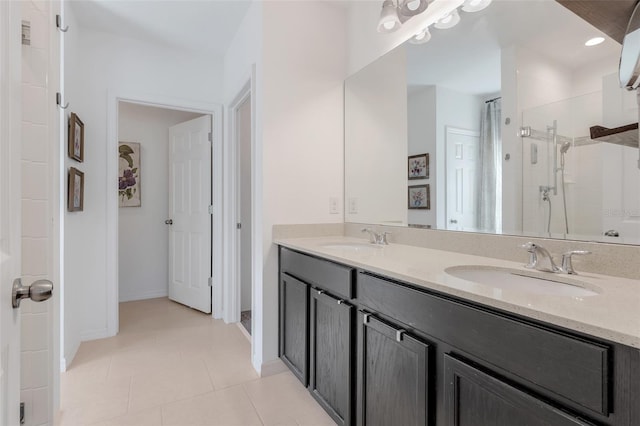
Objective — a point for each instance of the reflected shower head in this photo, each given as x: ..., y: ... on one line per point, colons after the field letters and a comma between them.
x: 565, y: 147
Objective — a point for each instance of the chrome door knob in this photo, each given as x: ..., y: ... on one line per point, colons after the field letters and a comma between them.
x: 453, y: 221
x: 168, y: 222
x: 39, y: 291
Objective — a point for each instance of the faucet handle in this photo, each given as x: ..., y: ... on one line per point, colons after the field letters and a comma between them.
x: 533, y: 256
x: 567, y: 264
x: 383, y: 238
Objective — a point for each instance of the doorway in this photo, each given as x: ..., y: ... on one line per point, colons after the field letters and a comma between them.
x: 144, y: 204
x: 461, y: 182
x: 242, y: 115
x: 214, y: 182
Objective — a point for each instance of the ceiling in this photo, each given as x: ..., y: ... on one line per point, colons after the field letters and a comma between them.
x: 467, y: 57
x: 206, y: 26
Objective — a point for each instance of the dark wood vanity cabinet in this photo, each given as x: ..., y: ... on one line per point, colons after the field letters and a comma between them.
x: 376, y: 351
x: 394, y: 375
x: 331, y: 354
x: 294, y: 326
x: 476, y: 398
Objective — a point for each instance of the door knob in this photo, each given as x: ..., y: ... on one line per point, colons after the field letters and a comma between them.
x: 39, y: 291
x: 168, y: 222
x: 453, y: 221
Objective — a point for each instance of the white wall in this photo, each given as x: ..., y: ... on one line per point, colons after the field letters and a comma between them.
x: 421, y: 114
x: 143, y: 238
x: 100, y: 65
x: 302, y: 143
x: 376, y: 128
x: 40, y: 214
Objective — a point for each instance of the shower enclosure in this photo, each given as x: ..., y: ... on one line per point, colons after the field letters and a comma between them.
x: 566, y: 174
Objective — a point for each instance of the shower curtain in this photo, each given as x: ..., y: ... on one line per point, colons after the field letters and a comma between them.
x: 490, y: 169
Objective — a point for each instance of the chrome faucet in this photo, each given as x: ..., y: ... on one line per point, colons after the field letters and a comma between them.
x: 541, y: 259
x: 377, y: 237
x: 567, y: 265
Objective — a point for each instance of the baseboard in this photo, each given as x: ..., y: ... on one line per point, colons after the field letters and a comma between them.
x: 143, y: 295
x: 244, y: 331
x: 67, y: 359
x: 272, y: 368
x: 94, y: 334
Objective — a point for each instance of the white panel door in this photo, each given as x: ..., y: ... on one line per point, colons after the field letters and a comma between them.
x: 462, y: 157
x: 189, y: 201
x: 10, y: 226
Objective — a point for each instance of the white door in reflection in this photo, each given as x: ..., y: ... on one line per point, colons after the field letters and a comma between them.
x: 461, y: 174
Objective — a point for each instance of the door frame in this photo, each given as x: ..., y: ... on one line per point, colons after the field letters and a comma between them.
x: 159, y: 101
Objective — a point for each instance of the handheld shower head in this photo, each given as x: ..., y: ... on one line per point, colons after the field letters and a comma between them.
x: 565, y: 147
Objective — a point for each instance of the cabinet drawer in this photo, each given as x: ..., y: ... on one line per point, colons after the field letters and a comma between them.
x: 564, y: 365
x: 337, y: 279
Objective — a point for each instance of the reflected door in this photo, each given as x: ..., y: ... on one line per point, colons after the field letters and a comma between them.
x: 462, y: 156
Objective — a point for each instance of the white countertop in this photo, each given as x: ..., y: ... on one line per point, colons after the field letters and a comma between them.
x: 613, y: 314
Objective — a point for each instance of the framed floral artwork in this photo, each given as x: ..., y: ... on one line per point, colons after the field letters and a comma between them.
x: 419, y: 197
x: 419, y: 166
x: 75, y: 190
x: 129, y: 174
x: 75, y: 144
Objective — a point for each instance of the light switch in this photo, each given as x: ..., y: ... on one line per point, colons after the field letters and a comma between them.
x: 353, y: 205
x: 333, y: 205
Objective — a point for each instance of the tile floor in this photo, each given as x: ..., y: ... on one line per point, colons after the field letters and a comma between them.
x: 171, y: 365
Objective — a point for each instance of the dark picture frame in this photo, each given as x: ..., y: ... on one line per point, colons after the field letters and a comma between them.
x: 75, y: 144
x: 419, y: 197
x: 418, y: 167
x: 75, y: 193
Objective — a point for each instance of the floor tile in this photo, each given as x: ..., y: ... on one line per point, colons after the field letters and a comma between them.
x: 227, y: 407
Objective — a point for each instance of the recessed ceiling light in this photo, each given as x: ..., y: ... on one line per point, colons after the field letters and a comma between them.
x: 594, y: 41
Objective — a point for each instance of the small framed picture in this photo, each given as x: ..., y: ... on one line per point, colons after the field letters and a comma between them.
x: 75, y: 202
x: 419, y: 197
x: 419, y: 166
x: 76, y: 138
x: 129, y: 174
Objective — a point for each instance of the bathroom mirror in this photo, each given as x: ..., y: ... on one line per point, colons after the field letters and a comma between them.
x: 510, y: 106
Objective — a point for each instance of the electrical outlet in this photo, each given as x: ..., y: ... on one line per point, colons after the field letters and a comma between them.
x: 353, y: 205
x: 333, y: 205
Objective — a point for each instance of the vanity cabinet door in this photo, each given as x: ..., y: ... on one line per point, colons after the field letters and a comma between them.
x: 294, y: 326
x: 393, y: 375
x: 474, y: 398
x: 331, y: 354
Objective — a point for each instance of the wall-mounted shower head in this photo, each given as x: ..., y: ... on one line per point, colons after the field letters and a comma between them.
x: 565, y: 147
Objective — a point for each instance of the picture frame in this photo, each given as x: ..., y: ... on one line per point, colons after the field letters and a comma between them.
x: 75, y: 144
x: 75, y: 193
x: 129, y: 176
x: 419, y: 197
x: 418, y: 166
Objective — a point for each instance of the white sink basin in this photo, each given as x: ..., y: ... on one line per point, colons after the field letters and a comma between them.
x: 361, y: 247
x: 525, y: 281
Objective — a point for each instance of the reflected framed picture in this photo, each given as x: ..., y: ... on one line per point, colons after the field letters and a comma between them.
x: 419, y: 197
x: 75, y: 145
x: 418, y: 166
x: 75, y: 193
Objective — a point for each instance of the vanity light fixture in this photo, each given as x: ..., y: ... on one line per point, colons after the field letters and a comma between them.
x: 413, y: 7
x: 594, y: 41
x: 475, y: 5
x: 389, y: 19
x: 449, y: 20
x: 421, y: 38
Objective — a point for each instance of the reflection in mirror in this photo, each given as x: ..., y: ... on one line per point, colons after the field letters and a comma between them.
x: 504, y: 104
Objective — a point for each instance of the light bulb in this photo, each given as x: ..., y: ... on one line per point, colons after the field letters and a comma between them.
x: 594, y: 41
x: 421, y: 38
x: 475, y: 5
x: 449, y: 20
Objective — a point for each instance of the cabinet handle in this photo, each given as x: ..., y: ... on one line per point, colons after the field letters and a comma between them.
x: 320, y: 292
x: 399, y: 334
x: 340, y: 301
x: 365, y: 318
